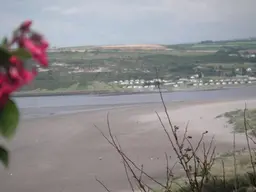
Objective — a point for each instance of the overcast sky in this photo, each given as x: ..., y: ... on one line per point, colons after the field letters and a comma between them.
x: 101, y: 22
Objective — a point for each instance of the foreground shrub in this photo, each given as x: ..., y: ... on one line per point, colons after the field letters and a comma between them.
x: 13, y: 75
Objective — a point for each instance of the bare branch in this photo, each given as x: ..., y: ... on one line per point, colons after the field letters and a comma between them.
x: 114, y: 142
x: 234, y: 157
x: 127, y: 176
x: 102, y: 184
x: 248, y: 142
x: 223, y: 174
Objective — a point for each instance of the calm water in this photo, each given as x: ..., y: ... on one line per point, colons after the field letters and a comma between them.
x: 53, y: 105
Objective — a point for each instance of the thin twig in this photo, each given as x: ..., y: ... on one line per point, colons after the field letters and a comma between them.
x: 167, y: 133
x: 248, y: 142
x: 167, y: 171
x: 127, y: 176
x: 234, y: 157
x: 223, y: 174
x: 102, y: 184
x: 113, y: 143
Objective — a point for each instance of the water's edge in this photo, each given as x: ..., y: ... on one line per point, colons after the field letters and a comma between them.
x: 52, y: 105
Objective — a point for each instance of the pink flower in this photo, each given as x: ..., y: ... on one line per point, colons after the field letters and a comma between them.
x: 7, y: 86
x: 30, y: 46
x: 18, y: 72
x: 42, y: 59
x: 44, y: 44
x: 25, y: 26
x: 39, y: 40
x: 28, y: 76
x: 3, y: 99
x: 38, y: 51
x: 16, y: 75
x: 15, y: 61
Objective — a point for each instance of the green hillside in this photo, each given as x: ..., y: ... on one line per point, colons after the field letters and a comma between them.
x: 241, y: 44
x: 84, y: 68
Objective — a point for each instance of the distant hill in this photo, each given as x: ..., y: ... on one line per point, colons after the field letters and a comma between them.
x: 245, y: 43
x: 239, y: 44
x: 117, y: 47
x: 136, y: 46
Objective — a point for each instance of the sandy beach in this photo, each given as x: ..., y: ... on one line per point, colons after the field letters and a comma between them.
x: 65, y: 153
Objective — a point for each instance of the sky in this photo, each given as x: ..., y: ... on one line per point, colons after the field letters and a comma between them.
x: 105, y: 22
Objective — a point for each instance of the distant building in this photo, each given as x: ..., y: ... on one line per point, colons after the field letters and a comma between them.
x: 233, y: 55
x: 250, y: 53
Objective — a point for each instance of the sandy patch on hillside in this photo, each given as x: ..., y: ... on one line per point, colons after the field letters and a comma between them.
x: 136, y: 46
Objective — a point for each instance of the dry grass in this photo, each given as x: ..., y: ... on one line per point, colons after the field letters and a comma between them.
x: 236, y: 118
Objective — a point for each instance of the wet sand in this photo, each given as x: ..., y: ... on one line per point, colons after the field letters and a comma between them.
x: 65, y: 153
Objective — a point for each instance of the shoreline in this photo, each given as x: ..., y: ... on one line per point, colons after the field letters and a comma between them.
x: 116, y: 93
x: 107, y: 108
x: 100, y: 93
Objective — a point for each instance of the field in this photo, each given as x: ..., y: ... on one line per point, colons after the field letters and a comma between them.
x: 216, y: 45
x: 92, y: 68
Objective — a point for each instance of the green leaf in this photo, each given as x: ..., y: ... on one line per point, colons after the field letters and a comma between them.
x: 4, y: 156
x: 4, y: 41
x: 9, y: 119
x: 21, y: 54
x: 4, y: 55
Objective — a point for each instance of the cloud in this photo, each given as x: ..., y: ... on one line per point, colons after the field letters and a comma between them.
x: 51, y: 9
x: 80, y: 22
x: 62, y: 11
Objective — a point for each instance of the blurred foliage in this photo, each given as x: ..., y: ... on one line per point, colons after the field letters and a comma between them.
x: 9, y: 114
x: 9, y: 119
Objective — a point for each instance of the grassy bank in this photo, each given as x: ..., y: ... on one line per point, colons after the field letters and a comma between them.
x: 106, y: 92
x: 233, y: 170
x: 236, y: 119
